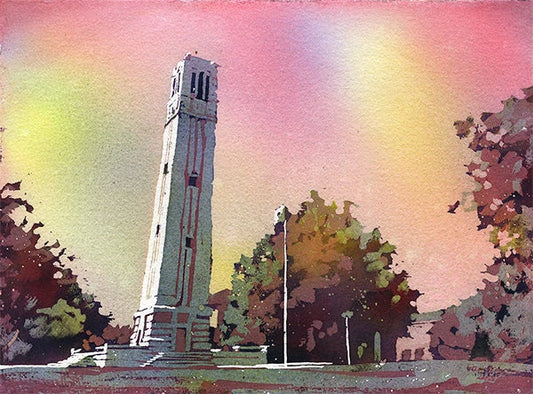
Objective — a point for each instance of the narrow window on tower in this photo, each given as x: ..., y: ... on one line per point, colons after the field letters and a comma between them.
x: 178, y: 78
x: 188, y: 242
x: 157, y: 229
x: 193, y: 83
x: 192, y: 179
x: 165, y: 168
x: 200, y: 86
x: 206, y: 95
x: 173, y: 86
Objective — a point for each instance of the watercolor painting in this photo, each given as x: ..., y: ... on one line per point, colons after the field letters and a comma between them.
x: 266, y: 196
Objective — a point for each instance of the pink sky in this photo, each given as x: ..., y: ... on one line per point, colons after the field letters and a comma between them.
x: 355, y: 100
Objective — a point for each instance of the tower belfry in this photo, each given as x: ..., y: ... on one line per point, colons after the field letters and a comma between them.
x: 173, y: 315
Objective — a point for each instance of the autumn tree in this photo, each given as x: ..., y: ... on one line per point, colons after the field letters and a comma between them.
x: 496, y: 324
x: 253, y: 315
x: 333, y: 266
x: 43, y: 311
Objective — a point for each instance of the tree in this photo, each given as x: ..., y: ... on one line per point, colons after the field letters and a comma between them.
x: 253, y: 315
x: 496, y: 324
x: 43, y: 311
x: 333, y: 267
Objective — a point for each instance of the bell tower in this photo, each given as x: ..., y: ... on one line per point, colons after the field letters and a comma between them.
x: 173, y: 315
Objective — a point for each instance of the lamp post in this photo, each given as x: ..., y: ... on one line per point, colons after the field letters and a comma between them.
x: 281, y: 215
x: 347, y: 315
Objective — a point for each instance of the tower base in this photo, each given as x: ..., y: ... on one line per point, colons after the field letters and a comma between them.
x: 172, y: 329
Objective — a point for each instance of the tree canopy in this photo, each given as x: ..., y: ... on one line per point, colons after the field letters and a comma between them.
x: 43, y: 311
x: 334, y: 269
x: 497, y: 323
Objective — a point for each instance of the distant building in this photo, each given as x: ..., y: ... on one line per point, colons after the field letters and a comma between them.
x: 416, y: 347
x: 173, y: 314
x: 219, y: 302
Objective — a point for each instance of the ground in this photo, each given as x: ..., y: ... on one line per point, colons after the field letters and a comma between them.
x: 403, y: 377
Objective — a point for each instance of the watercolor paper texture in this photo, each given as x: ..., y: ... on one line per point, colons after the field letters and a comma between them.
x: 356, y: 101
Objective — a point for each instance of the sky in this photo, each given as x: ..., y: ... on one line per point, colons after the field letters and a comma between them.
x: 354, y: 100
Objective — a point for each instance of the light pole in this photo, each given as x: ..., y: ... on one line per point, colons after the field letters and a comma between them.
x: 347, y: 315
x: 281, y: 216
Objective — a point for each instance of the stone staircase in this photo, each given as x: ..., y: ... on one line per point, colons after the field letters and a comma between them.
x: 83, y: 359
x: 181, y: 360
x: 125, y: 356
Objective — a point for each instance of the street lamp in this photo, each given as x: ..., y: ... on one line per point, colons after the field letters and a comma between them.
x: 281, y: 215
x: 347, y: 315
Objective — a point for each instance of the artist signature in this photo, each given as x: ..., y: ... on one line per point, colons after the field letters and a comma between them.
x: 492, y: 373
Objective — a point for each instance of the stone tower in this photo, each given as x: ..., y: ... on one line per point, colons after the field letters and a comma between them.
x: 173, y: 315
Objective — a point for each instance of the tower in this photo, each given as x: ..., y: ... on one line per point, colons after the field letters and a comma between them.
x: 173, y: 315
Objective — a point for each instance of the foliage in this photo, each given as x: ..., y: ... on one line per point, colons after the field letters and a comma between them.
x: 254, y: 312
x: 59, y: 321
x: 334, y: 267
x: 43, y: 311
x: 112, y: 335
x: 496, y: 324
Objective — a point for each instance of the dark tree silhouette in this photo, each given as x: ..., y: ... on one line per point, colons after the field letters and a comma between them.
x: 43, y: 311
x: 333, y: 267
x: 495, y: 324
